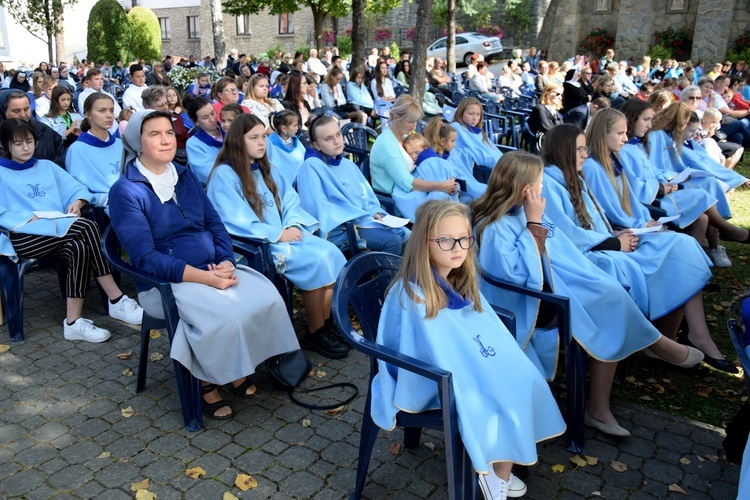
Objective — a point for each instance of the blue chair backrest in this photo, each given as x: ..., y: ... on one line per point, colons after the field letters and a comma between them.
x: 357, y: 135
x: 448, y: 113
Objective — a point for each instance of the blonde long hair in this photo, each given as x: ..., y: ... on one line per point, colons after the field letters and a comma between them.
x: 512, y: 173
x: 596, y: 139
x: 417, y: 265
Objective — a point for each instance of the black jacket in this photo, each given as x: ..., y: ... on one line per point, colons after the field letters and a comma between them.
x: 49, y: 144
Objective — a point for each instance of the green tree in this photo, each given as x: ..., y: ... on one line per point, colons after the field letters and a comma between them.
x: 145, y: 34
x: 41, y: 18
x: 108, y: 32
x: 419, y: 68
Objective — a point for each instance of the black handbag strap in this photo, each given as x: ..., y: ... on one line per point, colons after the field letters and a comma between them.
x: 348, y: 400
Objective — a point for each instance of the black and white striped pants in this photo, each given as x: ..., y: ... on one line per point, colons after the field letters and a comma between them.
x: 80, y: 248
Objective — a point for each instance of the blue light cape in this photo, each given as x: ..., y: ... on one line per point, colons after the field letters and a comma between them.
x: 430, y: 167
x: 482, y: 153
x: 463, y: 168
x: 310, y: 263
x: 36, y: 186
x: 95, y: 164
x: 287, y: 160
x: 202, y: 150
x: 604, y: 319
x: 645, y: 180
x: 664, y: 272
x: 504, y: 406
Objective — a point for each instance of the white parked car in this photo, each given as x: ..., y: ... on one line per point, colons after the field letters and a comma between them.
x: 466, y: 45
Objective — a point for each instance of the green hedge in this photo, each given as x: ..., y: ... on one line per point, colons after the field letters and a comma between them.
x: 108, y: 32
x: 145, y: 34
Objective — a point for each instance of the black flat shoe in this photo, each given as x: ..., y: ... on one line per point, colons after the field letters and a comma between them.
x: 324, y: 342
x: 720, y: 364
x: 210, y: 409
x: 241, y: 390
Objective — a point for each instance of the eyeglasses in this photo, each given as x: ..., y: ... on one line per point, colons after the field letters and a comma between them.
x: 231, y: 91
x: 448, y: 244
x: 558, y: 94
x: 588, y: 73
x: 583, y: 151
x: 694, y: 98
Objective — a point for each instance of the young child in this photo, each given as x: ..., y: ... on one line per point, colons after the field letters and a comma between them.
x: 122, y: 120
x: 519, y: 244
x: 254, y: 200
x: 442, y: 138
x: 285, y: 151
x: 467, y: 121
x: 228, y: 113
x: 333, y: 190
x: 434, y: 312
x: 201, y: 86
x: 710, y: 123
x: 428, y: 166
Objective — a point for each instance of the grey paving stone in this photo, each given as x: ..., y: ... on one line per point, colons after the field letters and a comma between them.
x: 253, y: 437
x: 11, y: 432
x: 253, y: 462
x: 167, y: 445
x: 294, y: 433
x: 661, y: 471
x: 301, y: 485
x: 210, y: 440
x: 581, y: 482
x: 297, y: 458
x: 163, y: 469
x: 117, y: 474
x: 22, y: 482
x: 81, y: 452
x: 70, y: 477
x: 610, y: 492
x: 36, y: 455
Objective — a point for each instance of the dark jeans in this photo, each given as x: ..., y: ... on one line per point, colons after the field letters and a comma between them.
x: 737, y: 132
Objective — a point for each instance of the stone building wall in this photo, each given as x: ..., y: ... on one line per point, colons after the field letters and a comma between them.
x: 178, y: 43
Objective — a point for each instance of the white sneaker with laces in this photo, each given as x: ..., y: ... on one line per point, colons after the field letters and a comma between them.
x: 126, y: 310
x: 719, y: 256
x: 84, y: 329
x: 495, y: 488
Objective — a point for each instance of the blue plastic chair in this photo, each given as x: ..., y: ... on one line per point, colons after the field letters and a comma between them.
x: 448, y: 112
x: 575, y: 359
x: 385, y: 199
x: 736, y: 334
x: 361, y: 285
x: 356, y: 140
x: 188, y: 386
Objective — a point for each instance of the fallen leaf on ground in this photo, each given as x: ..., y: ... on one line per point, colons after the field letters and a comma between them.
x: 156, y: 356
x: 154, y: 334
x: 127, y: 412
x: 712, y: 458
x: 650, y: 380
x: 229, y: 496
x: 245, y: 482
x: 394, y: 448
x: 335, y: 411
x: 4, y: 348
x: 684, y: 461
x: 311, y: 373
x: 703, y: 391
x: 580, y: 462
x: 659, y: 389
x: 591, y: 460
x: 630, y: 379
x: 558, y: 468
x: 675, y: 488
x: 141, y: 485
x: 701, y: 459
x: 596, y: 493
x: 124, y: 355
x: 145, y: 495
x: 430, y: 446
x: 666, y: 380
x: 717, y: 307
x: 127, y: 372
x: 195, y: 473
x: 105, y: 454
x: 647, y: 398
x: 619, y: 466
x: 306, y: 422
x: 320, y: 373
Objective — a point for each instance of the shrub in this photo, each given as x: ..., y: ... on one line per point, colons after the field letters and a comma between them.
x: 145, y: 34
x: 735, y: 56
x: 411, y: 33
x: 182, y: 77
x: 679, y: 42
x: 344, y: 43
x: 659, y: 52
x: 328, y: 36
x: 272, y: 50
x: 741, y: 48
x: 382, y: 34
x: 597, y: 42
x: 491, y: 31
x: 108, y: 35
x: 395, y: 51
x: 305, y: 49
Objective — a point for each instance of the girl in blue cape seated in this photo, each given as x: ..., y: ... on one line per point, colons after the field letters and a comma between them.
x: 228, y: 114
x: 434, y: 312
x: 518, y: 243
x: 254, y: 200
x: 285, y: 150
x: 441, y: 137
x: 231, y: 319
x: 700, y: 210
x: 94, y: 159
x: 467, y: 121
x: 390, y: 166
x: 203, y: 147
x: 672, y: 148
x: 61, y: 118
x: 429, y: 167
x: 28, y: 187
x: 608, y: 182
x: 333, y: 190
x: 664, y: 272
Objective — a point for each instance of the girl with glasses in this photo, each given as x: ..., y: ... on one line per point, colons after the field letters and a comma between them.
x: 518, y: 243
x: 434, y: 312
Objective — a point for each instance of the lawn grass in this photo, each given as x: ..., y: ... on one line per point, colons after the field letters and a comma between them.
x: 715, y: 398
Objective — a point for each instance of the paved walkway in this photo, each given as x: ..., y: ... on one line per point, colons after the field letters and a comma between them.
x: 62, y: 433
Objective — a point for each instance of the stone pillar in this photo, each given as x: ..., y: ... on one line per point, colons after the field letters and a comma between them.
x: 710, y: 41
x: 539, y: 10
x: 559, y: 31
x: 633, y: 29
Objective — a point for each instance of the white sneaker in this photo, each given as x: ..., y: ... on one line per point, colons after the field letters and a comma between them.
x: 719, y: 256
x: 494, y: 488
x: 84, y: 329
x: 126, y: 310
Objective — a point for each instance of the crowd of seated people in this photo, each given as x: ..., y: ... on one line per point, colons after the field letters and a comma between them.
x: 225, y: 159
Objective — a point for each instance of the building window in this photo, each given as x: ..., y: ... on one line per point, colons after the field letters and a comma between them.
x: 166, y: 33
x: 243, y: 25
x: 194, y: 27
x: 286, y: 24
